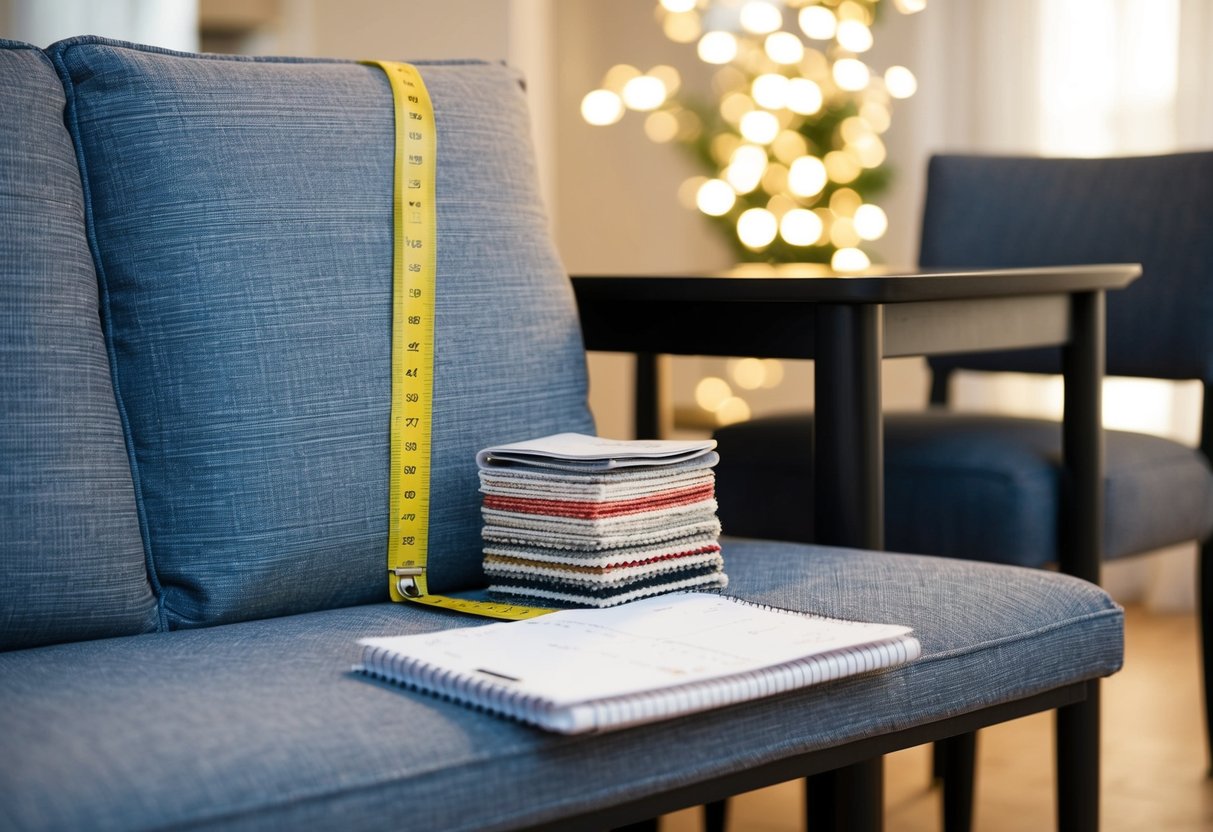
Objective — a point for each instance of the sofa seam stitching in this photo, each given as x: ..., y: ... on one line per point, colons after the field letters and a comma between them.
x: 1113, y: 611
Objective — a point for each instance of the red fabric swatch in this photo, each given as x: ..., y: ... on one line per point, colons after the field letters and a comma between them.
x: 590, y: 510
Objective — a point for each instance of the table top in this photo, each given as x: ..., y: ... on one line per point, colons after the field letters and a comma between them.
x: 812, y: 283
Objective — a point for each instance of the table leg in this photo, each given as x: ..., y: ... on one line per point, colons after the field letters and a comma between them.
x: 647, y: 412
x: 1082, y: 547
x: 1082, y: 439
x: 848, y: 441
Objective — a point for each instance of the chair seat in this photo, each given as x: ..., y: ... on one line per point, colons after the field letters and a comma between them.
x: 269, y: 728
x: 973, y: 486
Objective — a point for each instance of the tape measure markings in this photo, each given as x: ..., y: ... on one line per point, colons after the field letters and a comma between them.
x: 414, y: 280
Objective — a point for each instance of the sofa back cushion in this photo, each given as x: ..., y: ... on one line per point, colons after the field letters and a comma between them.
x: 71, y: 558
x: 241, y: 213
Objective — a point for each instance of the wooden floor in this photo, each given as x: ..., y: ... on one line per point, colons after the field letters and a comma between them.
x: 1154, y: 761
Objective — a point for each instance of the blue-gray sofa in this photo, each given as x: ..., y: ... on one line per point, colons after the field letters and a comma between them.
x: 195, y: 281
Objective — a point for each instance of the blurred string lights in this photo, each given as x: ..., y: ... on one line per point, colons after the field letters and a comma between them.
x: 792, y: 142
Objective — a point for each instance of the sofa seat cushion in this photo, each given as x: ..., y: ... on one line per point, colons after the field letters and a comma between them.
x: 72, y: 562
x: 241, y: 217
x: 973, y: 486
x: 263, y: 724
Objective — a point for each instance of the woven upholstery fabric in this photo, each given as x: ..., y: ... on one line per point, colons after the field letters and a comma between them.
x: 261, y: 725
x: 71, y: 557
x: 972, y: 486
x: 241, y: 215
x: 1154, y: 210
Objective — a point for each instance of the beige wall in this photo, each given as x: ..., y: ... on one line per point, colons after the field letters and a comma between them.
x: 403, y: 30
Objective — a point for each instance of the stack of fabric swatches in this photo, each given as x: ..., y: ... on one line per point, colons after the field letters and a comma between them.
x: 579, y: 521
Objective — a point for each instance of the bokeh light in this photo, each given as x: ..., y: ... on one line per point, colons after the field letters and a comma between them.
x: 845, y: 202
x: 841, y: 168
x: 717, y: 47
x: 871, y: 223
x: 784, y: 48
x: 601, y: 107
x: 617, y: 76
x: 711, y: 392
x: 757, y: 227
x: 715, y: 198
x: 800, y: 227
x: 849, y: 260
x: 734, y: 106
x: 804, y: 96
x: 854, y: 36
x: 644, y: 93
x: 770, y: 90
x: 668, y: 76
x: 789, y: 146
x: 732, y: 410
x: 900, y: 82
x: 851, y: 74
x: 760, y: 17
x: 682, y: 28
x: 747, y: 373
x: 807, y: 176
x: 746, y: 168
x: 661, y: 126
x: 818, y: 22
x: 759, y: 126
x: 843, y: 234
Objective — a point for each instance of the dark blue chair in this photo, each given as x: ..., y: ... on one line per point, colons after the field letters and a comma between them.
x: 986, y: 487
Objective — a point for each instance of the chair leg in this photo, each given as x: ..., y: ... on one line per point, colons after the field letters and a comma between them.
x: 958, y: 756
x: 821, y: 802
x: 1078, y: 764
x: 850, y: 799
x: 1205, y: 606
x: 715, y: 815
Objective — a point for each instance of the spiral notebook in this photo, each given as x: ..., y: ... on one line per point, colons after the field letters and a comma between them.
x: 578, y: 671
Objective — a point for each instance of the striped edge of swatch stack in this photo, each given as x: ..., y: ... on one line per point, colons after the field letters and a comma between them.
x: 577, y: 520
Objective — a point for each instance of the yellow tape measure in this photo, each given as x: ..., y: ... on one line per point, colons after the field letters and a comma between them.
x: 414, y: 271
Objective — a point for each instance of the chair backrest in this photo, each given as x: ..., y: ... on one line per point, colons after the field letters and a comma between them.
x: 987, y: 211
